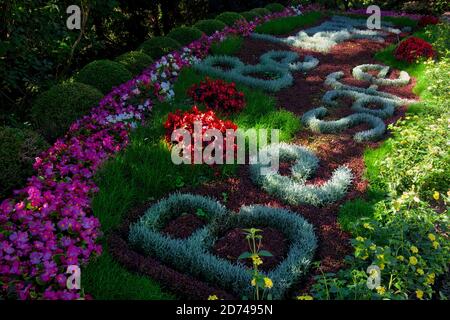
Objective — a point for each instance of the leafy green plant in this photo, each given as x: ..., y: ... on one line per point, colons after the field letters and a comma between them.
x: 56, y: 109
x: 156, y: 47
x: 135, y: 61
x: 261, y: 283
x: 103, y: 75
x: 185, y: 35
x: 210, y: 26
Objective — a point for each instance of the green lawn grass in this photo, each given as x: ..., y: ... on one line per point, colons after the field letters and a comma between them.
x: 288, y: 24
x: 229, y: 46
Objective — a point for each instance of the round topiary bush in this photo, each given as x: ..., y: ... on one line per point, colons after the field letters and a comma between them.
x: 261, y: 11
x: 135, y: 61
x: 249, y: 15
x: 159, y: 46
x: 229, y: 18
x: 274, y: 7
x: 18, y: 149
x: 56, y: 109
x: 185, y: 35
x: 103, y: 75
x: 210, y: 26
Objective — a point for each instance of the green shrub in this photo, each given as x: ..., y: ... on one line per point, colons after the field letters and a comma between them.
x: 103, y: 75
x: 261, y: 11
x: 55, y: 110
x: 229, y: 18
x: 18, y: 148
x: 274, y: 7
x: 159, y: 46
x: 185, y: 35
x: 249, y: 15
x: 135, y: 61
x: 227, y: 47
x: 210, y: 26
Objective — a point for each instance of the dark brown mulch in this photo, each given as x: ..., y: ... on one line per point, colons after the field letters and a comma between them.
x: 233, y: 244
x: 333, y: 150
x: 183, y: 226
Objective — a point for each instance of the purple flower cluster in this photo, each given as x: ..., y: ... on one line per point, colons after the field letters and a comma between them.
x: 49, y: 225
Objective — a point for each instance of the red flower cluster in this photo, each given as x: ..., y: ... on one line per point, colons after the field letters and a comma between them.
x: 413, y: 48
x: 426, y: 20
x: 217, y: 95
x: 209, y: 120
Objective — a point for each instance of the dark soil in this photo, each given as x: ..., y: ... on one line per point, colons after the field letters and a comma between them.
x: 233, y: 244
x: 183, y: 226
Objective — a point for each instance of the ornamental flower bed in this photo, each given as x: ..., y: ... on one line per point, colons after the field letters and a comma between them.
x: 48, y: 225
x: 218, y: 95
x: 414, y: 48
x: 187, y: 120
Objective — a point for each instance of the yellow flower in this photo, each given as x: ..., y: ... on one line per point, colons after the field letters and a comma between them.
x: 413, y: 260
x: 401, y: 258
x: 361, y: 239
x: 380, y: 256
x: 305, y: 298
x: 414, y: 249
x: 381, y: 290
x: 420, y: 271
x: 435, y: 244
x: 373, y: 247
x: 381, y: 266
x: 213, y: 297
x: 367, y: 226
x: 419, y: 294
x: 436, y: 195
x: 253, y: 282
x: 256, y: 260
x: 432, y: 237
x: 268, y: 283
x: 430, y: 278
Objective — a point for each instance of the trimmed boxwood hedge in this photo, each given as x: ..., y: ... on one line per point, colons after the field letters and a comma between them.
x: 210, y: 26
x: 261, y: 11
x: 229, y: 18
x: 274, y: 7
x: 158, y: 46
x: 249, y: 15
x: 103, y: 75
x: 18, y: 149
x: 135, y: 61
x: 54, y: 110
x: 185, y: 35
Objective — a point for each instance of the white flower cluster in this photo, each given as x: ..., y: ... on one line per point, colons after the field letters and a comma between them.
x: 297, y: 10
x: 325, y: 36
x: 128, y: 117
x: 166, y: 69
x: 361, y: 73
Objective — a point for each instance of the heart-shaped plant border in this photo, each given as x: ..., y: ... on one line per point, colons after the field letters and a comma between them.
x: 194, y: 254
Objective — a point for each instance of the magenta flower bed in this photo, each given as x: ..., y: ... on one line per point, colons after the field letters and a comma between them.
x: 49, y: 225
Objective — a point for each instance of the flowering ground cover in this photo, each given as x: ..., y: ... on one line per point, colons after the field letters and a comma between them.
x: 108, y: 197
